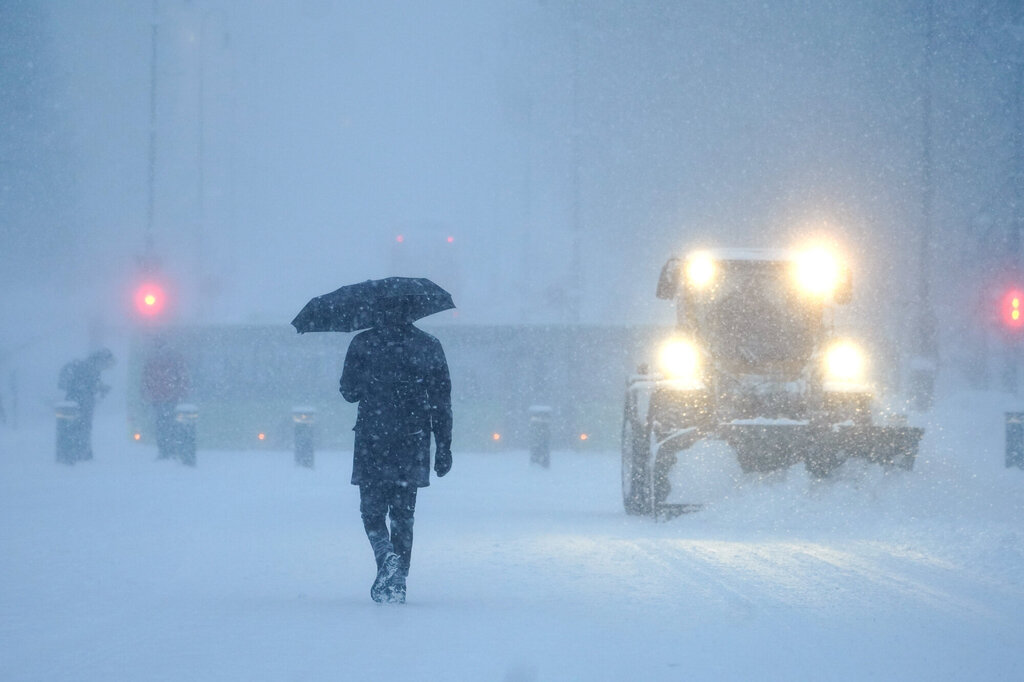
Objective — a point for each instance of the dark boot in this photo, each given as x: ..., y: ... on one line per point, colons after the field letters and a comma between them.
x: 385, y: 574
x: 396, y: 591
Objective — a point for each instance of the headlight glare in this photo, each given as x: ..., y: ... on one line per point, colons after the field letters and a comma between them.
x: 679, y: 359
x: 844, y: 362
x: 700, y: 269
x: 817, y: 272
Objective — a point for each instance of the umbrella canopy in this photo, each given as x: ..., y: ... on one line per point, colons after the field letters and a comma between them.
x: 372, y: 303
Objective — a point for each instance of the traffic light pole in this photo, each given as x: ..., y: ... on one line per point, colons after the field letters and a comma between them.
x: 922, y: 378
x: 1013, y: 351
x: 1012, y: 346
x: 151, y: 184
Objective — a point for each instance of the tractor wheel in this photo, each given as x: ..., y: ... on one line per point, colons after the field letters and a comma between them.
x: 637, y: 488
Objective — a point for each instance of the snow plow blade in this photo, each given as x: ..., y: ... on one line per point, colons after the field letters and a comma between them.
x: 888, y: 445
x: 767, y: 447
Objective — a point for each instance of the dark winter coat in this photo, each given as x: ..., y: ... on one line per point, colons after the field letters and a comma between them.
x: 165, y: 377
x: 399, y: 376
x: 80, y: 380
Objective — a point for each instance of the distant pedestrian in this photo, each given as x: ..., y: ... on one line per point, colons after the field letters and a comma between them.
x: 80, y: 380
x: 165, y: 383
x: 399, y: 376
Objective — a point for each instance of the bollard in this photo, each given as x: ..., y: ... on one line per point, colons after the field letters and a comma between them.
x: 185, y: 417
x: 303, y: 418
x: 1015, y: 439
x: 68, y: 443
x: 540, y: 435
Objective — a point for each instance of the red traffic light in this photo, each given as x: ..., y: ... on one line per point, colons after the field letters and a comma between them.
x: 1011, y: 309
x: 150, y: 299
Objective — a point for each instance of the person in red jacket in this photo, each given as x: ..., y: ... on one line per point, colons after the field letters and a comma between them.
x: 165, y: 383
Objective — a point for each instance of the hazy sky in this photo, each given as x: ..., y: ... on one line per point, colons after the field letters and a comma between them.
x: 566, y: 148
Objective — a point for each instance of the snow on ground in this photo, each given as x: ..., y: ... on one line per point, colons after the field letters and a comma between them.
x: 250, y: 568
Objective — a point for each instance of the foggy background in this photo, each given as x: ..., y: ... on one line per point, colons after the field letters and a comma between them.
x: 540, y: 159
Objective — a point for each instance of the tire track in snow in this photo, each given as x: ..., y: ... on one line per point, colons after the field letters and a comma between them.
x: 651, y: 573
x: 915, y: 577
x: 746, y: 577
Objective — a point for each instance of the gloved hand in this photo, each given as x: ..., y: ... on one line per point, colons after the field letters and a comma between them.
x: 442, y: 462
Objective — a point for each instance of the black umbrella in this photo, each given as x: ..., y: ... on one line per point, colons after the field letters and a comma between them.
x: 373, y: 302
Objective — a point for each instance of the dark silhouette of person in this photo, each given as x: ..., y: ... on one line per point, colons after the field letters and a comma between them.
x: 165, y: 383
x: 399, y: 376
x: 81, y: 382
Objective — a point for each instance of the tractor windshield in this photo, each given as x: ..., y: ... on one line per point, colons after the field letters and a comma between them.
x: 754, y: 321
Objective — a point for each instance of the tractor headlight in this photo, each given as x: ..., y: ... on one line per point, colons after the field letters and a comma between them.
x: 817, y: 272
x: 700, y: 270
x: 679, y: 359
x: 844, y: 364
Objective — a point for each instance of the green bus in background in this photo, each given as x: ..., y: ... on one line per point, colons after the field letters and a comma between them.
x: 251, y: 383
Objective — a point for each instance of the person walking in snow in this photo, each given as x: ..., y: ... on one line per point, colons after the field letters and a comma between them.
x: 399, y: 376
x: 80, y: 380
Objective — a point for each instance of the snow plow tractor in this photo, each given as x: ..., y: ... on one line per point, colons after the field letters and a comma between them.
x: 754, y: 361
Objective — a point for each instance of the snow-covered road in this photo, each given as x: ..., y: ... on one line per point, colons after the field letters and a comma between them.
x: 249, y: 568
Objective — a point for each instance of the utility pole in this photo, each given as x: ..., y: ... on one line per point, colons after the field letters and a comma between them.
x: 1010, y: 370
x: 576, y: 285
x: 925, y: 362
x: 148, y: 261
x: 201, y: 171
x: 1018, y: 141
